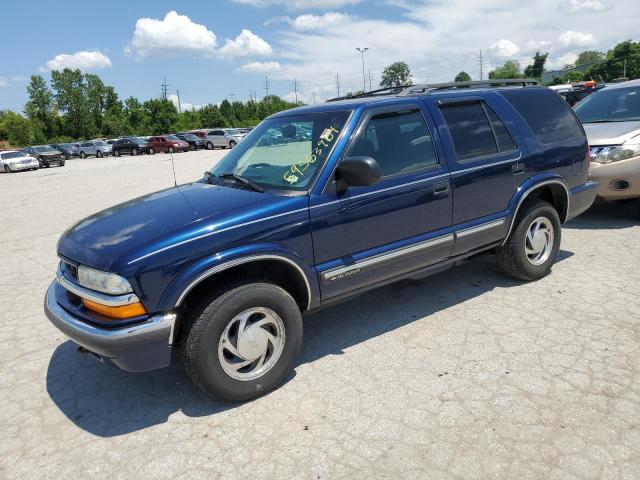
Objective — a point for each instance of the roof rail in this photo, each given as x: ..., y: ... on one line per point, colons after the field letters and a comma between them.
x: 373, y: 93
x: 490, y: 83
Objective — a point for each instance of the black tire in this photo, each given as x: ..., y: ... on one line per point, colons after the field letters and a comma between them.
x: 99, y: 154
x: 512, y: 256
x: 151, y: 151
x: 7, y: 169
x: 192, y: 147
x: 83, y: 155
x: 201, y: 341
x: 209, y: 146
x: 62, y: 163
x: 134, y: 152
x: 170, y: 150
x: 232, y: 144
x: 116, y: 153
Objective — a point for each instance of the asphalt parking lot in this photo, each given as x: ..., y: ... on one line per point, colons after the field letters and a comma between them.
x: 467, y: 374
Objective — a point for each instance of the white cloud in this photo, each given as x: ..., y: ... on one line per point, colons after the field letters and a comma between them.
x: 176, y: 34
x: 84, y: 60
x: 563, y: 60
x: 532, y: 45
x: 245, y: 44
x: 582, y: 6
x: 299, y: 4
x: 576, y: 39
x: 310, y: 21
x: 261, y: 67
x: 183, y: 105
x: 504, y: 48
x: 4, y: 82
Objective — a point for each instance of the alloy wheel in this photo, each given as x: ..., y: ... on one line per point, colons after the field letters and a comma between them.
x: 539, y: 241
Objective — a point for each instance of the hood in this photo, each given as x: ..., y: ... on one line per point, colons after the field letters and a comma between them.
x: 611, y: 133
x: 103, y: 238
x: 49, y: 154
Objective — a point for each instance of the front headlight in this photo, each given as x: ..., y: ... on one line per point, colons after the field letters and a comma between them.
x: 615, y: 154
x: 102, y: 281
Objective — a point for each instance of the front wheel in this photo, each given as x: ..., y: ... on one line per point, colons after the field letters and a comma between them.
x: 116, y: 153
x: 99, y: 154
x: 244, y: 343
x: 7, y: 169
x: 134, y: 152
x: 82, y: 155
x: 232, y: 144
x: 170, y: 150
x: 532, y: 248
x: 151, y: 151
x: 209, y: 146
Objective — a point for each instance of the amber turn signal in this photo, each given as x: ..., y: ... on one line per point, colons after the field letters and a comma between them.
x: 121, y: 312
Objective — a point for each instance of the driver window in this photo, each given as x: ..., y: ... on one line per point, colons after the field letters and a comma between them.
x: 399, y: 141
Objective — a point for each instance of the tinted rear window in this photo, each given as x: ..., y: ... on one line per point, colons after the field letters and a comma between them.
x: 470, y: 130
x: 546, y: 114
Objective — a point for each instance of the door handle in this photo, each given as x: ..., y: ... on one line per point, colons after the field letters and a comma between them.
x: 517, y: 168
x: 441, y: 189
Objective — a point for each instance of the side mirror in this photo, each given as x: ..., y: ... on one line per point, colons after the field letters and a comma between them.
x: 357, y: 172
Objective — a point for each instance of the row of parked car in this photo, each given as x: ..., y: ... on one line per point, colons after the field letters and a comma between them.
x: 39, y: 156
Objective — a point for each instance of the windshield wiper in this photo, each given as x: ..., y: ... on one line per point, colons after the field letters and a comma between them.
x: 245, y: 181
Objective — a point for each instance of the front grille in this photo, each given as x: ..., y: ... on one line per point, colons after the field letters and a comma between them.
x: 69, y: 270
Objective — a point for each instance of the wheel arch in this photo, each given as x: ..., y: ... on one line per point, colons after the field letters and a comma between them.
x: 552, y: 190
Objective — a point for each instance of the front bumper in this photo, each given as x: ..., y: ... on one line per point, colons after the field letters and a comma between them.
x: 23, y: 166
x: 136, y: 348
x: 618, y: 180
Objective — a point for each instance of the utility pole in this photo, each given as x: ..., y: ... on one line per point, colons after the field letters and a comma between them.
x: 295, y: 88
x: 164, y: 88
x: 370, y: 80
x: 481, y: 63
x: 233, y: 110
x: 624, y: 70
x: 266, y: 86
x: 314, y: 97
x: 338, y: 83
x: 364, y: 80
x: 179, y: 104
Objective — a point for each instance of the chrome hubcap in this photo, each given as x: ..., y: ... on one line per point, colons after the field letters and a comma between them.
x: 539, y: 242
x: 251, y: 343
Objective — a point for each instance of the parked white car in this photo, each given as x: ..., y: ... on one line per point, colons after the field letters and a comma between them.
x: 223, y: 138
x: 15, y: 161
x: 99, y: 148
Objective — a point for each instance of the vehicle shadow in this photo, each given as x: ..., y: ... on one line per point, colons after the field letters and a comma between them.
x: 606, y: 215
x: 107, y: 402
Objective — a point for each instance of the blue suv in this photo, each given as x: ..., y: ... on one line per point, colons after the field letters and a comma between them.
x: 354, y: 194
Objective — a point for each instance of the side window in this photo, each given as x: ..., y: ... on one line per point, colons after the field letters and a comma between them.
x: 470, y: 130
x: 218, y: 132
x: 546, y: 114
x: 399, y: 141
x: 505, y: 141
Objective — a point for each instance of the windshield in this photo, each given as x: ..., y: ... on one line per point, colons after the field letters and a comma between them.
x: 232, y: 131
x: 173, y: 138
x: 280, y: 154
x: 45, y: 149
x: 610, y: 105
x: 12, y: 155
x: 101, y: 143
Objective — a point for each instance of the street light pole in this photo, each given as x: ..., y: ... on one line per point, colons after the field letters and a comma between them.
x: 364, y: 80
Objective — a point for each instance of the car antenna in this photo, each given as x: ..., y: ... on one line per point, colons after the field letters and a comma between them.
x: 173, y: 167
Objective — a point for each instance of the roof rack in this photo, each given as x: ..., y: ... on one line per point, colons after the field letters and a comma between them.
x: 407, y: 90
x: 490, y: 83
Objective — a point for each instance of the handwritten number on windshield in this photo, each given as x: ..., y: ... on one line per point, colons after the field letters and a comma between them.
x: 293, y: 174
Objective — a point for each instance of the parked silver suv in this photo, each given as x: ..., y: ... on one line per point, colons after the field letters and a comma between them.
x: 611, y: 119
x: 223, y: 138
x: 99, y: 148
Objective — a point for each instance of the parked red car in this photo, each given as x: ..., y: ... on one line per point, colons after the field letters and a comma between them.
x: 167, y: 143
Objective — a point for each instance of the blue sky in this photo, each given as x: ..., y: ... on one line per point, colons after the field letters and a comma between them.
x: 210, y: 49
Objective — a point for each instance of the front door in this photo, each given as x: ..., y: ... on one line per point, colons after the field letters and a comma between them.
x: 368, y: 234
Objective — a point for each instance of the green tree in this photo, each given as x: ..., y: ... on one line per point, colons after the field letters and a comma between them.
x: 70, y: 92
x: 589, y: 56
x: 463, y: 77
x: 162, y: 116
x: 573, y: 76
x: 621, y: 61
x: 95, y: 101
x: 535, y: 70
x: 211, y: 117
x: 510, y: 69
x: 39, y: 108
x: 136, y: 118
x: 14, y: 128
x: 395, y: 75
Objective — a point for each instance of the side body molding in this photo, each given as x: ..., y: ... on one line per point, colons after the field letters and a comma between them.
x: 529, y: 187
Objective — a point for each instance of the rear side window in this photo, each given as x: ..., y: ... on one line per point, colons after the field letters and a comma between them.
x: 470, y: 130
x: 503, y: 137
x: 546, y: 114
x: 399, y: 141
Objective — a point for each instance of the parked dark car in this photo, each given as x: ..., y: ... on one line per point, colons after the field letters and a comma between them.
x: 167, y: 144
x: 388, y: 187
x: 69, y: 150
x: 46, y: 155
x: 130, y: 146
x: 194, y: 141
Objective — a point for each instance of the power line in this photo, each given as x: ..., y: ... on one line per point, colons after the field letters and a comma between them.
x: 164, y: 86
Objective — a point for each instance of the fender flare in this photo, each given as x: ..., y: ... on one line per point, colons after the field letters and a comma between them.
x: 532, y: 188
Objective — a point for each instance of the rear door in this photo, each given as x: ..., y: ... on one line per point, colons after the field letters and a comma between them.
x: 219, y: 139
x: 366, y: 235
x: 487, y: 166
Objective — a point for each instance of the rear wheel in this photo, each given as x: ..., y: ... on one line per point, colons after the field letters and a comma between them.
x: 7, y: 169
x: 151, y: 151
x: 243, y: 344
x: 82, y: 155
x: 99, y: 154
x: 532, y: 248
